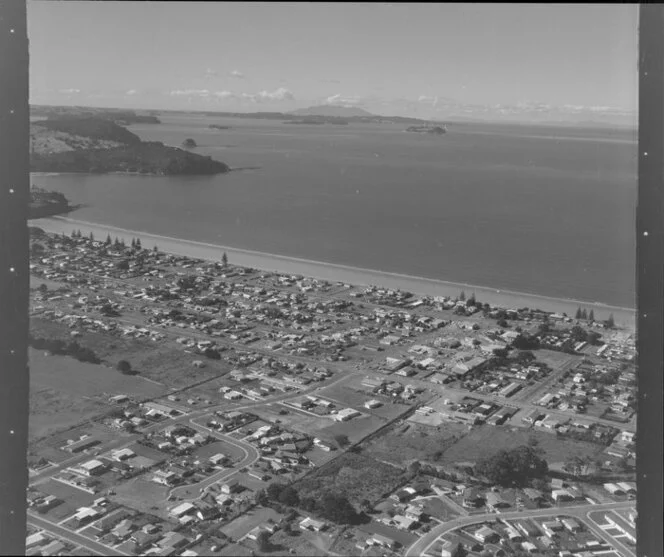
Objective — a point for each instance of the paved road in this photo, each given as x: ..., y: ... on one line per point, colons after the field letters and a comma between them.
x: 594, y: 523
x: 88, y: 544
x: 420, y: 546
x: 194, y: 491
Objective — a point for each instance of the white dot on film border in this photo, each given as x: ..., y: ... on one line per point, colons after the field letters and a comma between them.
x: 11, y: 190
x: 645, y: 153
x: 645, y: 233
x: 11, y: 30
x: 11, y: 269
x: 11, y: 432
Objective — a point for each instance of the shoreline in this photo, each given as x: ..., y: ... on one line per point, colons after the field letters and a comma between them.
x: 339, y: 273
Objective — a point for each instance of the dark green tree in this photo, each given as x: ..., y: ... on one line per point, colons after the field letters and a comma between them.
x: 610, y: 322
x: 108, y: 240
x: 342, y: 440
x: 289, y: 496
x: 224, y: 259
x: 579, y: 313
x: 578, y: 334
x: 124, y: 367
x: 459, y: 551
x: 584, y: 314
x: 462, y: 296
x: 92, y: 237
x: 591, y: 315
x: 263, y: 540
x: 133, y: 243
x: 509, y: 467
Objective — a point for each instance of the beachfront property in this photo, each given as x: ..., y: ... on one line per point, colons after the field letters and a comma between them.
x: 284, y: 341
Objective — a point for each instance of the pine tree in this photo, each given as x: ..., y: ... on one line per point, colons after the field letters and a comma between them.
x: 610, y: 322
x: 462, y: 296
x: 122, y: 243
x: 155, y: 248
x: 108, y: 240
x: 79, y: 234
x: 591, y: 315
x: 579, y: 313
x: 133, y: 243
x: 224, y: 259
x: 584, y: 314
x: 117, y: 242
x: 92, y: 237
x: 73, y: 233
x: 138, y: 243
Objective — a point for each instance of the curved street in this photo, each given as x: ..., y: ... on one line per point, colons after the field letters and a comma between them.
x: 422, y: 545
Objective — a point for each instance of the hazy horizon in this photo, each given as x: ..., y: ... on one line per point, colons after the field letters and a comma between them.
x: 539, y: 63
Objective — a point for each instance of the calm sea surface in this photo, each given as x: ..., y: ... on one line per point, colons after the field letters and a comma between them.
x: 547, y: 211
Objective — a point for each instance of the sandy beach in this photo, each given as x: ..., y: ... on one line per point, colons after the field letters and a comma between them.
x: 337, y: 273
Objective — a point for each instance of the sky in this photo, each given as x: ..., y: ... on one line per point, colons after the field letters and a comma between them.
x: 410, y: 59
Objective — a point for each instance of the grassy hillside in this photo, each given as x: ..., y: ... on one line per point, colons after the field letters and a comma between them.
x: 96, y: 145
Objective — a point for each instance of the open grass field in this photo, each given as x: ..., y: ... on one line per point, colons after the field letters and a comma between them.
x: 142, y: 494
x: 296, y: 420
x: 401, y: 444
x: 52, y: 410
x: 87, y: 380
x: 356, y: 476
x: 164, y: 361
x: 239, y: 527
x: 437, y: 508
x: 73, y: 499
x: 231, y: 451
x: 487, y: 440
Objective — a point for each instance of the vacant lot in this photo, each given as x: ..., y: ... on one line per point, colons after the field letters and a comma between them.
x: 87, y: 380
x: 437, y: 508
x: 403, y: 443
x: 231, y: 451
x: 73, y: 499
x: 242, y: 525
x: 487, y: 440
x: 142, y: 494
x: 52, y: 410
x: 296, y: 420
x: 164, y: 361
x: 356, y: 476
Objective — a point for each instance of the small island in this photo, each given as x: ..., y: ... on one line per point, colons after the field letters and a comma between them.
x: 435, y: 130
x: 189, y: 143
x: 98, y: 146
x: 219, y: 127
x: 45, y: 203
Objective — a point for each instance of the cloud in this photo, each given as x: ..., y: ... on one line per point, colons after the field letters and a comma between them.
x: 225, y: 95
x: 69, y: 91
x: 131, y: 92
x: 210, y: 73
x: 278, y: 95
x: 190, y: 93
x: 342, y: 100
x: 281, y: 94
x: 237, y: 74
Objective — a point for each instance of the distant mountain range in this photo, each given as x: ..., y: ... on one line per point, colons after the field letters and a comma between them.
x: 333, y: 110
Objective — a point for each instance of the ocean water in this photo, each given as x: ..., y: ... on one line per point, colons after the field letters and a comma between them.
x: 548, y: 211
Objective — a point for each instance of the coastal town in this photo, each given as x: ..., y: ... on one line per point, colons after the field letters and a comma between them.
x: 192, y: 407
